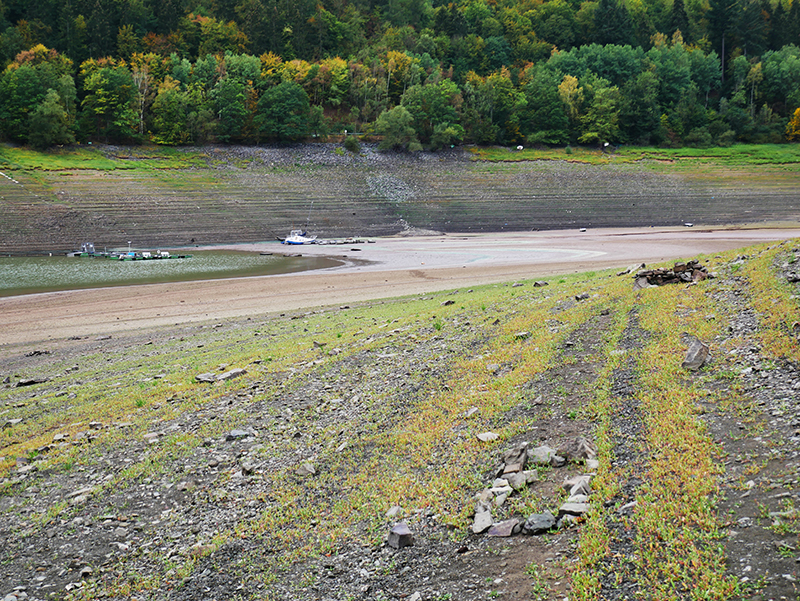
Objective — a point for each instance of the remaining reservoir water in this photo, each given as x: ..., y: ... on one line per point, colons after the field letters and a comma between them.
x: 28, y: 275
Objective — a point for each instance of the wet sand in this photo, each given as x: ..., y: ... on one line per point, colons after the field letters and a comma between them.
x: 389, y: 267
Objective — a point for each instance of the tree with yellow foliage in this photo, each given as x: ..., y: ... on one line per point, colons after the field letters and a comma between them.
x: 793, y: 127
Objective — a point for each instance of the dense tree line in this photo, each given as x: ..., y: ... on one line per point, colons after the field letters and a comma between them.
x: 420, y: 73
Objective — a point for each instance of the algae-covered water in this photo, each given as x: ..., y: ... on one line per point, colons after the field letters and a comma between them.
x: 29, y: 275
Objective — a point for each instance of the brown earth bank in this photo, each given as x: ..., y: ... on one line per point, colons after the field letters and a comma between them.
x: 252, y: 194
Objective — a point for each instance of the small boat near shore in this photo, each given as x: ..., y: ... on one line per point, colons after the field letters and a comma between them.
x: 299, y: 237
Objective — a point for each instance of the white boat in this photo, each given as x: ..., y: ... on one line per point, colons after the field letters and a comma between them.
x: 299, y: 237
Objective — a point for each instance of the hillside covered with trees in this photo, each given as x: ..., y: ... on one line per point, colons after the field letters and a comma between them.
x: 420, y: 73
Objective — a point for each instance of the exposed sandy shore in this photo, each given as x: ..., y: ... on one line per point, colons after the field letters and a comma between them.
x: 389, y: 267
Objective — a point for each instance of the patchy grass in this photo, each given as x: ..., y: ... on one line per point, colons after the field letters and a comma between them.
x: 89, y: 158
x: 387, y: 406
x: 739, y: 155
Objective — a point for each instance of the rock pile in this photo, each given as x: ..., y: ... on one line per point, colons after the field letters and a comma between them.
x: 511, y: 475
x: 691, y: 271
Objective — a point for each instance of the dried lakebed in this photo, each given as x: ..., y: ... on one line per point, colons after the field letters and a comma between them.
x: 126, y: 477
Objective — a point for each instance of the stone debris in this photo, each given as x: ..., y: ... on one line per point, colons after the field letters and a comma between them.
x: 239, y: 434
x: 306, y: 469
x: 691, y: 271
x: 577, y: 449
x: 483, y: 519
x: 230, y: 374
x: 544, y: 455
x: 210, y: 377
x: 696, y: 354
x: 578, y: 485
x: 30, y: 382
x: 400, y: 536
x: 576, y: 509
x: 632, y: 269
x: 539, y: 523
x: 511, y: 476
x: 506, y: 528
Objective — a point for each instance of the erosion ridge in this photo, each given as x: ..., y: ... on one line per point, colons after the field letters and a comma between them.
x: 125, y: 477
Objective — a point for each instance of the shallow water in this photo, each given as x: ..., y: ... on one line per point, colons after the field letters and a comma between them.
x: 29, y: 275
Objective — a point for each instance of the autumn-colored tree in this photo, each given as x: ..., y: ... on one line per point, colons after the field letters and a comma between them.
x: 793, y: 127
x: 25, y: 85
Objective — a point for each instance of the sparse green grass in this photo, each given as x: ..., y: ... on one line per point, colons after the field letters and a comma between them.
x: 87, y: 157
x: 739, y: 155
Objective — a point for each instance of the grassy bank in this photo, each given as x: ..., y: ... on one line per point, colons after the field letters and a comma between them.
x: 383, y: 402
x: 740, y: 155
x: 153, y: 158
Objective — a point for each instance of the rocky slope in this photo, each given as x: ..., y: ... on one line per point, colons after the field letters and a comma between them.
x: 248, y: 194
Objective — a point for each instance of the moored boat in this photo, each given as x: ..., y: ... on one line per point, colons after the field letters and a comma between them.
x: 299, y: 237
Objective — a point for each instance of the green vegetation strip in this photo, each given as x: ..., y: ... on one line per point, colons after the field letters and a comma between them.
x: 740, y: 155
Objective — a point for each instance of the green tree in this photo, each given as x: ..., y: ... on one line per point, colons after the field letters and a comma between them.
x: 109, y: 107
x: 672, y: 67
x: 640, y: 114
x: 750, y: 28
x: 170, y: 111
x: 283, y: 113
x: 49, y: 123
x: 11, y: 44
x: 450, y: 21
x: 793, y: 127
x: 397, y: 128
x: 720, y: 26
x: 781, y: 71
x: 494, y: 106
x: 554, y: 22
x: 612, y: 23
x: 706, y: 72
x: 572, y: 96
x: 129, y: 41
x: 25, y: 84
x: 230, y: 104
x: 679, y: 20
x: 600, y: 122
x: 544, y: 119
x: 433, y: 105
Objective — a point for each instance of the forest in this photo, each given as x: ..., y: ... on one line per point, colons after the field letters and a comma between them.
x: 415, y: 73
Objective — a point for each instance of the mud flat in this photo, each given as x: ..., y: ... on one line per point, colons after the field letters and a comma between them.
x: 389, y: 267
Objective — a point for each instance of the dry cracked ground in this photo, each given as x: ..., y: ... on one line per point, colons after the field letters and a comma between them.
x: 126, y: 477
